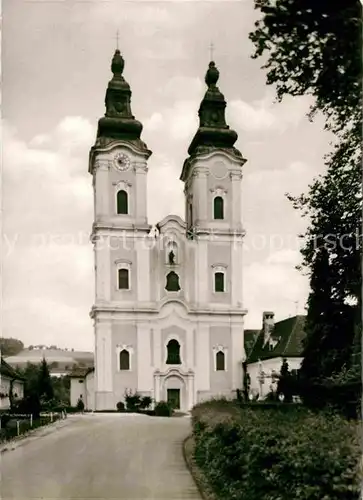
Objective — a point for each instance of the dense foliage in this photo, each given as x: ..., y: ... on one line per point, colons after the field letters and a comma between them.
x: 45, y: 386
x: 268, y: 455
x: 41, y: 391
x: 315, y: 48
x: 10, y: 346
x: 284, y: 384
x: 163, y: 409
x: 135, y: 402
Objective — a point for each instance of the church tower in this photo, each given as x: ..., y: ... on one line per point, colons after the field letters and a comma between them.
x: 212, y: 177
x: 118, y: 164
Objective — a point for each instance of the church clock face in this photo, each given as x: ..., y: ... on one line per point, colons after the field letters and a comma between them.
x: 122, y: 162
x: 219, y: 170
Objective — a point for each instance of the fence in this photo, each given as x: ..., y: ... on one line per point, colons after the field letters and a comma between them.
x: 15, y: 424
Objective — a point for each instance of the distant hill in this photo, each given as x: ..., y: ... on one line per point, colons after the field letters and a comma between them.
x: 60, y: 361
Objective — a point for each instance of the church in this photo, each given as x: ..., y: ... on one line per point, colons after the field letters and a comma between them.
x: 168, y: 312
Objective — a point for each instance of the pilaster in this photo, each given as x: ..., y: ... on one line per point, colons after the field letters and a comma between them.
x: 190, y: 390
x: 236, y: 177
x: 190, y: 348
x: 143, y: 271
x: 102, y: 268
x: 236, y: 271
x: 203, y: 358
x: 103, y: 382
x: 201, y: 275
x: 237, y: 355
x: 144, y: 375
x: 200, y: 192
x: 101, y: 186
x: 141, y: 193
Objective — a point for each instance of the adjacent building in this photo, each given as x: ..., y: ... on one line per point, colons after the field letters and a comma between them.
x: 10, y: 383
x: 266, y: 349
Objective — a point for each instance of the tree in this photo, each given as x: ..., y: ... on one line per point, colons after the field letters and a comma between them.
x: 10, y: 346
x: 61, y: 389
x: 315, y: 48
x: 246, y: 382
x: 45, y: 387
x: 284, y: 385
x: 31, y: 376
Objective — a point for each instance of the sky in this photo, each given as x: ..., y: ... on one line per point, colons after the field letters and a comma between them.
x: 56, y: 57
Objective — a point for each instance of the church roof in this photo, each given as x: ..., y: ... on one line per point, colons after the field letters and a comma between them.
x: 250, y: 338
x: 213, y: 130
x: 213, y: 133
x: 288, y: 335
x: 81, y: 372
x: 119, y: 122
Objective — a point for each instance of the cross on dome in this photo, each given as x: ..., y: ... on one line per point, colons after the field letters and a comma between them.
x: 211, y: 49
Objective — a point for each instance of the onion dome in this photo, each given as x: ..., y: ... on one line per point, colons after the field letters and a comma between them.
x: 213, y: 132
x: 118, y: 122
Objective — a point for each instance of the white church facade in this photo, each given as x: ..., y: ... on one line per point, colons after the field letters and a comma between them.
x: 168, y: 312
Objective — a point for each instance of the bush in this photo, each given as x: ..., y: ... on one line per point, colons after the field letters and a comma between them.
x: 132, y: 400
x: 28, y: 405
x: 276, y: 455
x: 120, y: 406
x: 145, y: 403
x: 163, y: 409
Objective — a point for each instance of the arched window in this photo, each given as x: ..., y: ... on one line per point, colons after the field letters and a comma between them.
x: 172, y: 282
x: 218, y: 207
x: 219, y: 282
x: 123, y: 279
x: 122, y: 202
x: 173, y: 357
x: 220, y: 361
x: 124, y: 360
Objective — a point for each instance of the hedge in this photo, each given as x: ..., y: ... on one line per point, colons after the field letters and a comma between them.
x: 276, y: 455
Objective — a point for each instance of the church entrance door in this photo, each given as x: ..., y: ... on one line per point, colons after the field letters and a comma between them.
x: 174, y: 398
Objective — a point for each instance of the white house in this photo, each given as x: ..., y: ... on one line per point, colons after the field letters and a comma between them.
x: 168, y: 312
x: 82, y: 387
x: 10, y: 381
x: 267, y: 349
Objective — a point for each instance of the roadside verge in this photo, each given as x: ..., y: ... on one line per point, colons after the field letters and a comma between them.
x: 34, y: 434
x: 198, y: 476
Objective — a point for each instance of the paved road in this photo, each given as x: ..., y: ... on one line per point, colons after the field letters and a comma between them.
x: 102, y: 457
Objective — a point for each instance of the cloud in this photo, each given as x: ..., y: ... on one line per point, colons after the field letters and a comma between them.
x: 178, y: 122
x: 165, y: 190
x: 274, y: 284
x: 48, y: 259
x: 267, y: 115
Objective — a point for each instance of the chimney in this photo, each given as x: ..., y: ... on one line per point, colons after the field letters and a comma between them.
x: 267, y: 325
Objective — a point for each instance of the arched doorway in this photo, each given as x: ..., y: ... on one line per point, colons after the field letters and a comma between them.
x: 174, y: 392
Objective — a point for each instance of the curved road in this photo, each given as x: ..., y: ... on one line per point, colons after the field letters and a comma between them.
x: 102, y: 456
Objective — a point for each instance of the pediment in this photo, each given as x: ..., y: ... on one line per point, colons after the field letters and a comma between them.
x: 172, y: 223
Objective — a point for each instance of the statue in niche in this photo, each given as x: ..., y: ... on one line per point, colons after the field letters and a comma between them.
x: 172, y: 282
x: 171, y: 258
